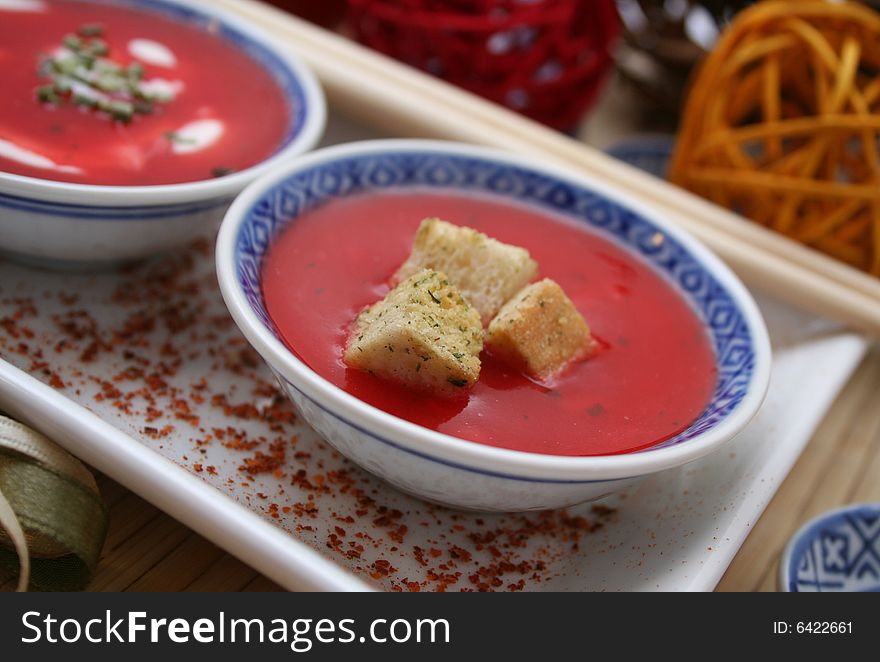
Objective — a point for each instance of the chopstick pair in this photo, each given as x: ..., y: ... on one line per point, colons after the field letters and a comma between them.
x: 388, y: 95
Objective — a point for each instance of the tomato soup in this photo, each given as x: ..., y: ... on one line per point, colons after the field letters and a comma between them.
x: 650, y: 378
x: 103, y: 93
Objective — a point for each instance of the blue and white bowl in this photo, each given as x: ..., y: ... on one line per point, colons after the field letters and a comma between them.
x: 838, y: 551
x: 65, y: 224
x: 439, y: 467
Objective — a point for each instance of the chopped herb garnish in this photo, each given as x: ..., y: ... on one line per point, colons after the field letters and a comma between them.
x: 98, y: 48
x: 109, y: 83
x: 72, y: 42
x: 460, y: 383
x: 62, y: 86
x: 64, y: 66
x: 47, y: 94
x: 436, y: 300
x: 118, y: 110
x: 80, y: 100
x: 135, y: 71
x: 82, y: 74
x: 179, y: 139
x: 221, y: 171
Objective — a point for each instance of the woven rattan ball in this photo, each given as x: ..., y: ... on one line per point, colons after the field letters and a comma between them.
x: 782, y: 124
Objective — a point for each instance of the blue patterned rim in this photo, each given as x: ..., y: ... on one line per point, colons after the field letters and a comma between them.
x: 122, y: 213
x: 838, y: 551
x: 312, y: 186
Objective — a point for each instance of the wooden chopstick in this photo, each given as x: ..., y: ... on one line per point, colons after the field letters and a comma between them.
x: 405, y: 102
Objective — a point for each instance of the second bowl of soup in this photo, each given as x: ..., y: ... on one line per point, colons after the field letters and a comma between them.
x: 128, y: 126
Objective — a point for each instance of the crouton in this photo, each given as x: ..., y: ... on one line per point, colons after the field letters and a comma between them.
x: 539, y: 330
x: 486, y: 271
x: 423, y: 335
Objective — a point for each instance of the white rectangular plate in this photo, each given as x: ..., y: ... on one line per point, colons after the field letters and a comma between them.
x: 154, y: 386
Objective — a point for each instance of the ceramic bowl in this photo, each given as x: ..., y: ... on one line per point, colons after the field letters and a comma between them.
x: 62, y: 224
x: 838, y: 551
x: 442, y: 468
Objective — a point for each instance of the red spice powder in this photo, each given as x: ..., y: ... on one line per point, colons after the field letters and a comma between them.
x: 266, y: 462
x: 152, y: 349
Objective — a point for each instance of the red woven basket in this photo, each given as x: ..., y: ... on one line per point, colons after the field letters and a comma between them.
x: 544, y: 58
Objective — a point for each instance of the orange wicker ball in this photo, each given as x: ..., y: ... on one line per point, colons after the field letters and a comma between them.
x: 782, y: 125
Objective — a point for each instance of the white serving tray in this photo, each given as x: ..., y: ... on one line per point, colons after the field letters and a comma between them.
x: 677, y: 530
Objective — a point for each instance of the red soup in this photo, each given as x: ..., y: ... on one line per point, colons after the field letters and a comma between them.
x: 651, y: 377
x: 98, y: 93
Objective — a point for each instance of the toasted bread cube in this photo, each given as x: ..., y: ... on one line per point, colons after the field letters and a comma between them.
x: 539, y: 330
x: 486, y: 271
x: 423, y: 335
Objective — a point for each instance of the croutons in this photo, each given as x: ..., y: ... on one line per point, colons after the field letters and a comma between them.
x: 486, y: 271
x: 423, y: 335
x: 539, y: 330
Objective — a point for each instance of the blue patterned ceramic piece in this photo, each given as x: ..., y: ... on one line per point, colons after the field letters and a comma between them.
x: 838, y: 551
